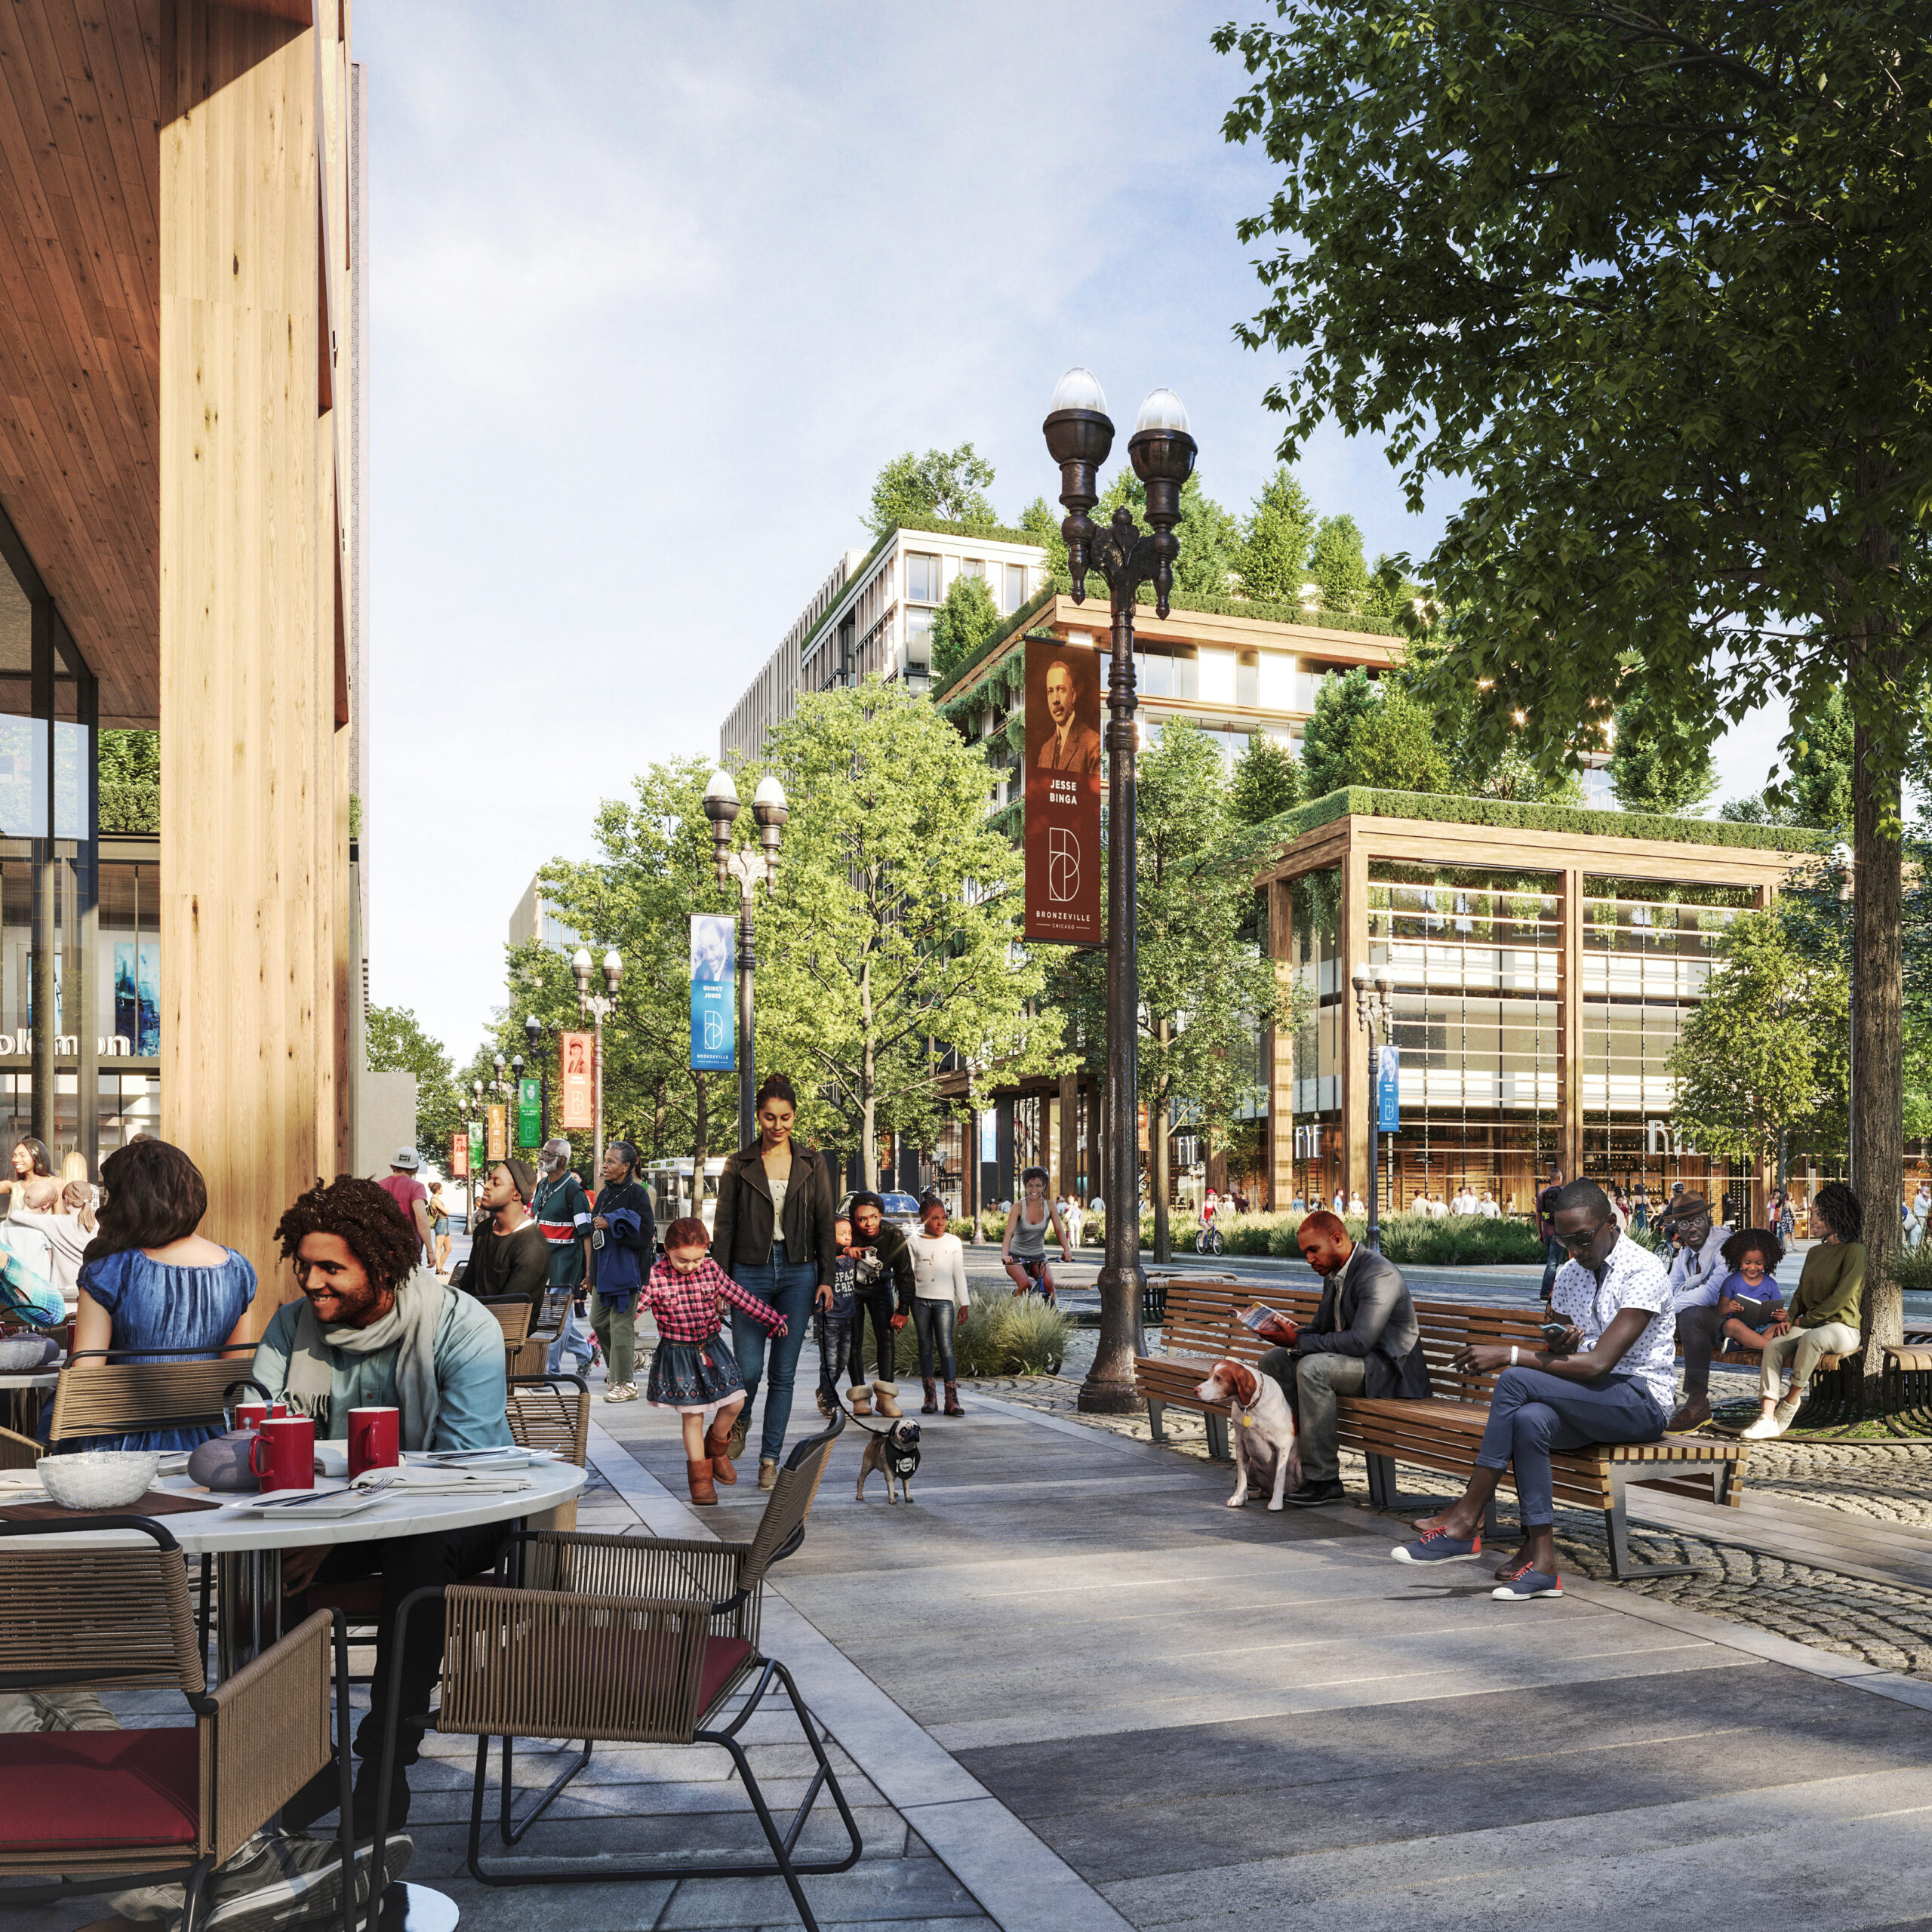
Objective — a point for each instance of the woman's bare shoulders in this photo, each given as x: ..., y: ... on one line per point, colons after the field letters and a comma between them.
x: 190, y: 1251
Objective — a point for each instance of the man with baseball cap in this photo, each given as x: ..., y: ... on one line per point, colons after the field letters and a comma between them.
x: 563, y: 1212
x: 411, y: 1197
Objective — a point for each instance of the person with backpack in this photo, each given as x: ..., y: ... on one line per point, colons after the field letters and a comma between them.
x: 562, y: 1209
x: 622, y: 1237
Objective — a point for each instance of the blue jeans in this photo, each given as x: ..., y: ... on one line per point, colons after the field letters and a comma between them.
x: 789, y: 1286
x: 1532, y: 1413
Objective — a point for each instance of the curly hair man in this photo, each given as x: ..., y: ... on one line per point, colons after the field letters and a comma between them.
x: 373, y: 1329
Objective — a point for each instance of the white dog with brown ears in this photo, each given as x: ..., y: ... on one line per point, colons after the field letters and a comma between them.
x: 1264, y: 1430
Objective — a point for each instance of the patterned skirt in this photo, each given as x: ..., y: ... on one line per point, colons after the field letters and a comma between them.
x: 694, y: 1378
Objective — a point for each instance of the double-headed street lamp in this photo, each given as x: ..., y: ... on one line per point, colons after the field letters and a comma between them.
x: 1375, y: 1014
x: 748, y: 868
x: 1079, y: 436
x: 598, y: 1008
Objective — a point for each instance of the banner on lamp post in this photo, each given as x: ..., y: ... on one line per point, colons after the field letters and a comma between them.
x: 497, y: 1129
x: 1062, y: 794
x: 1388, y: 1090
x: 459, y: 1155
x: 475, y: 1145
x: 714, y: 1039
x: 529, y: 1112
x: 576, y: 1102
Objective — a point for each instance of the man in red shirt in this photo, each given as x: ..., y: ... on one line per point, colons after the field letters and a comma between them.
x: 410, y: 1197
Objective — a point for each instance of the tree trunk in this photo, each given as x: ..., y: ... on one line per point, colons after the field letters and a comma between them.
x: 867, y: 1079
x: 1160, y: 1155
x: 1878, y: 1094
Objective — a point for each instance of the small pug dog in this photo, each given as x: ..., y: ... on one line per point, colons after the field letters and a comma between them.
x: 895, y: 1451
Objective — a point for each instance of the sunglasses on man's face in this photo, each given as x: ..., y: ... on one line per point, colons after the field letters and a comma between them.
x: 1576, y: 1243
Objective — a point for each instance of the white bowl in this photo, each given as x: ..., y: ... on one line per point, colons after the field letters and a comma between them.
x: 99, y: 1478
x: 20, y: 1354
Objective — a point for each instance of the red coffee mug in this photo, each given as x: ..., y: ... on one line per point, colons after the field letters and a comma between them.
x: 375, y: 1439
x: 252, y: 1415
x: 283, y: 1454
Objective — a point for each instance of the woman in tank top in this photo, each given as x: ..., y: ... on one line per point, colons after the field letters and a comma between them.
x: 1023, y: 1251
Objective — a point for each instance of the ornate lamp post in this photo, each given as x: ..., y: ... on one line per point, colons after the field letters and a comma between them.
x: 1079, y: 436
x: 534, y: 1036
x: 748, y: 868
x: 1375, y: 1014
x: 598, y: 1008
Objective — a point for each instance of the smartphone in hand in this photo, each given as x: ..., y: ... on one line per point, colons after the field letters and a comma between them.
x: 1554, y: 1331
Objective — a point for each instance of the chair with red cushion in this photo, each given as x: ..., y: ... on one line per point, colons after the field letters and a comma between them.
x: 83, y: 1812
x: 637, y: 1641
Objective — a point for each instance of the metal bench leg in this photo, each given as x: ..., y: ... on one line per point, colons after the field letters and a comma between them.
x: 1217, y: 1436
x: 1382, y: 1481
x: 1621, y: 1568
x: 1156, y: 1423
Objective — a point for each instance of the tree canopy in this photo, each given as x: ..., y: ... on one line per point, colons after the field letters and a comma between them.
x: 1272, y: 556
x: 949, y: 485
x: 1659, y: 760
x: 1266, y: 780
x: 964, y: 622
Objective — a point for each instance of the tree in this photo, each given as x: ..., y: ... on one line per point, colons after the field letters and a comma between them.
x: 1341, y: 703
x: 1204, y: 986
x: 1659, y: 761
x: 1272, y: 556
x: 1820, y: 787
x: 895, y: 933
x: 949, y: 486
x: 1267, y: 781
x: 1631, y: 280
x: 656, y: 869
x: 1396, y: 747
x: 394, y: 1042
x: 1760, y: 1062
x: 963, y: 623
x: 1336, y: 562
x: 130, y: 766
x: 1209, y: 537
x: 1041, y: 524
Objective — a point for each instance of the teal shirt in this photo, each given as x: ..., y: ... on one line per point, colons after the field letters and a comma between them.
x: 473, y: 1394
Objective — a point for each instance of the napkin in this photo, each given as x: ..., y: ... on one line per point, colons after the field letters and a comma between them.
x: 440, y: 1482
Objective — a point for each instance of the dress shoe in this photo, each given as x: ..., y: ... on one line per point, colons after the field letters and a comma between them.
x: 1312, y: 1493
x: 1692, y: 1413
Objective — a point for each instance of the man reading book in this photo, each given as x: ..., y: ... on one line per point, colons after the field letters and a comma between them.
x: 1363, y: 1341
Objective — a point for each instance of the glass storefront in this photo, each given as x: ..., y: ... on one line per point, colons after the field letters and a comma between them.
x: 1322, y: 1031
x: 1477, y: 959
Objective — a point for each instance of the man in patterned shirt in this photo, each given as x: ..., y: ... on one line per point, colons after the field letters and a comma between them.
x: 1611, y: 1377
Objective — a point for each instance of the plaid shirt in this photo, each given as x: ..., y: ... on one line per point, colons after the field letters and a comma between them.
x: 685, y: 1306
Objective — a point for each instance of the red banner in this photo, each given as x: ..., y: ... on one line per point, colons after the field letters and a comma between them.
x: 1063, y: 781
x: 575, y: 1054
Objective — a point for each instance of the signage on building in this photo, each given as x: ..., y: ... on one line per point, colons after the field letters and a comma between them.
x: 575, y: 1099
x: 1388, y: 1090
x: 529, y: 1112
x: 1062, y: 794
x: 494, y: 1117
x: 714, y: 1040
x: 459, y: 1155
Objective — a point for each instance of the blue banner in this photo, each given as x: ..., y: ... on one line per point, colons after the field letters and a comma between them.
x: 714, y: 1037
x: 1388, y: 1091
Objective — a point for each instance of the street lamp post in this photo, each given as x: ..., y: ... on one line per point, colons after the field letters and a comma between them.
x: 598, y: 1006
x: 748, y: 868
x: 1375, y: 1012
x: 513, y: 1136
x: 540, y: 1058
x: 1079, y: 436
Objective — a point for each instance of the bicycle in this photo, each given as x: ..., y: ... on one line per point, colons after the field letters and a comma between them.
x: 1208, y: 1241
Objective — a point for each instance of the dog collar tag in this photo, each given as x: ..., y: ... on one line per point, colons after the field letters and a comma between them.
x: 1247, y: 1421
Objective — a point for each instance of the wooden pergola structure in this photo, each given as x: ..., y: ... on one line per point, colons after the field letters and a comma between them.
x: 173, y: 376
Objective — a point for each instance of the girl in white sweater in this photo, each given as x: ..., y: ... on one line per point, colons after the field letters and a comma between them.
x: 939, y: 1299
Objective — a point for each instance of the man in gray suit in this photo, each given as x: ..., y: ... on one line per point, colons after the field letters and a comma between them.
x: 1364, y: 1341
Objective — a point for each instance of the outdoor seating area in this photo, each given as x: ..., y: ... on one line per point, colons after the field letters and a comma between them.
x: 1442, y: 1434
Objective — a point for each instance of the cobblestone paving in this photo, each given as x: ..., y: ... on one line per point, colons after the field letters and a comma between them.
x: 1888, y: 1625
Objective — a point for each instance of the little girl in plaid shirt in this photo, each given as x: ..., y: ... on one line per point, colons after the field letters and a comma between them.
x: 693, y: 1370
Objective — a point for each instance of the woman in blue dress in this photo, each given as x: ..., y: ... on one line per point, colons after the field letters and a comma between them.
x: 149, y: 1281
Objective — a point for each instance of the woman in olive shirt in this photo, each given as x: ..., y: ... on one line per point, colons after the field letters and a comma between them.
x: 1824, y: 1311
x: 773, y: 1235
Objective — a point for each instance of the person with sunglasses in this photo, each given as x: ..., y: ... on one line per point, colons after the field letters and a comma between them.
x: 1611, y: 1376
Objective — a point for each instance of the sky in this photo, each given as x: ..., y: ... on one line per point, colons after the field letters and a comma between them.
x: 655, y: 289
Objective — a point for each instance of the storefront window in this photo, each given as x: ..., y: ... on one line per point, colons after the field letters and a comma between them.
x: 1321, y: 1034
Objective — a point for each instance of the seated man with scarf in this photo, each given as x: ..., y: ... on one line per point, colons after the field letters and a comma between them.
x: 375, y: 1329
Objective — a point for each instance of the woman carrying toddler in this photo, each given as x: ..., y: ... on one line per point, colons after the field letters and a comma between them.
x: 693, y: 1369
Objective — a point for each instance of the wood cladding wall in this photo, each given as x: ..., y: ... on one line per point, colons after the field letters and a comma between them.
x: 79, y: 331
x: 256, y: 983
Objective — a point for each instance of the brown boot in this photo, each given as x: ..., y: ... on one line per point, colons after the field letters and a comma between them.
x: 718, y: 1446
x: 887, y: 1394
x: 952, y: 1407
x: 862, y: 1399
x: 699, y: 1476
x: 930, y: 1407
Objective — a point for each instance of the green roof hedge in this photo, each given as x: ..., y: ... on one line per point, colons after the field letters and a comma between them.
x: 1358, y: 801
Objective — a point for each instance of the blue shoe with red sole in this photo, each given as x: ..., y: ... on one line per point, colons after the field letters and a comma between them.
x: 1527, y: 1584
x: 1438, y: 1546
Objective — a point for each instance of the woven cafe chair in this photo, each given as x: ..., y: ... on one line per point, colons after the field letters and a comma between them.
x: 629, y: 1640
x: 83, y: 1812
x: 18, y: 1452
x: 97, y: 1395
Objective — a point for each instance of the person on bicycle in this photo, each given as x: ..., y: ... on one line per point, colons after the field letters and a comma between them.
x: 1022, y: 1253
x: 1208, y: 1240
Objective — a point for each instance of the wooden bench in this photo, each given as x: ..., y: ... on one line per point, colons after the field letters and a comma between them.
x: 1444, y: 1432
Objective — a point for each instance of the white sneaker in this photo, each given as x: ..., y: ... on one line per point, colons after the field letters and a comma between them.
x: 1764, y: 1427
x: 1785, y: 1413
x: 276, y: 1879
x: 622, y: 1392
